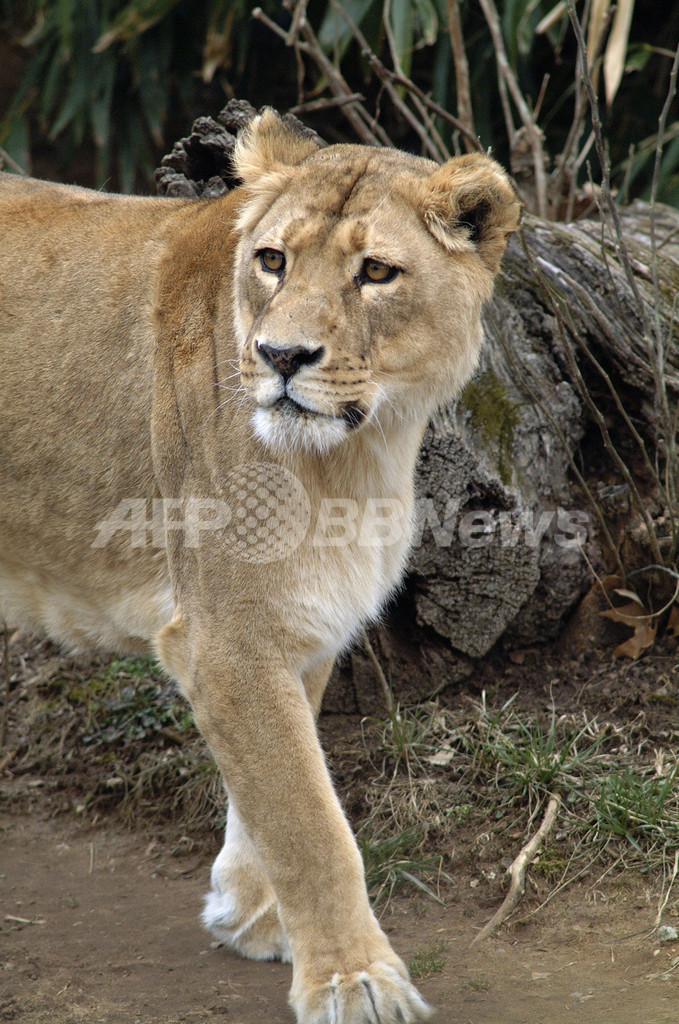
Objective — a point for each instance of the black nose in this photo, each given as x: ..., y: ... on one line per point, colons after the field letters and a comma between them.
x: 287, y: 361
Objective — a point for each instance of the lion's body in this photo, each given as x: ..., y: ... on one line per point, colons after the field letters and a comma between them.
x: 133, y: 379
x: 59, y: 389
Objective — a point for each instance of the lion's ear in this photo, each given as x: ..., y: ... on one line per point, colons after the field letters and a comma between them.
x: 471, y: 199
x: 269, y: 145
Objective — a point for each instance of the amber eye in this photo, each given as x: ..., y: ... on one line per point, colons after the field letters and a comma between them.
x: 377, y: 272
x: 272, y: 261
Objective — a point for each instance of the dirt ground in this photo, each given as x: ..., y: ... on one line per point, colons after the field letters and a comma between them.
x: 100, y: 926
x: 99, y: 921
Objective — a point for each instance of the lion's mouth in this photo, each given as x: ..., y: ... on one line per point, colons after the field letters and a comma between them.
x: 292, y: 409
x: 351, y: 415
x: 286, y: 424
x: 289, y: 406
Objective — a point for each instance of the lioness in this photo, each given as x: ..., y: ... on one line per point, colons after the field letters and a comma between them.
x: 188, y: 389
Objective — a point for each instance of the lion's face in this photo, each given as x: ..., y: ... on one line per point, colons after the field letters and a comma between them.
x: 360, y: 278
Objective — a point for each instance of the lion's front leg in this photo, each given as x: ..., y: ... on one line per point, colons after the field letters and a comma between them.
x: 260, y: 727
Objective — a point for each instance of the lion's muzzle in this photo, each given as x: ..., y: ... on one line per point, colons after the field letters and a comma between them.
x: 287, y: 360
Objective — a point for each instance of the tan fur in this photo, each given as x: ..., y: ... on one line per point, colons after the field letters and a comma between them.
x: 133, y: 369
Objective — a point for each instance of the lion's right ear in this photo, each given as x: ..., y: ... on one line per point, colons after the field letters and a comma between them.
x: 269, y: 146
x: 470, y: 200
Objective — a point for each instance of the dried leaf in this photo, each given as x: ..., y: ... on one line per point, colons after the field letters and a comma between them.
x: 442, y: 758
x: 673, y: 621
x: 627, y: 613
x: 611, y: 582
x: 629, y: 594
x: 597, y: 19
x: 553, y: 18
x: 636, y: 615
x: 616, y: 48
x: 643, y: 637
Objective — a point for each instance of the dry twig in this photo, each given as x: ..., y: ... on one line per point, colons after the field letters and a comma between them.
x: 5, y: 705
x: 517, y: 871
x: 425, y: 127
x: 664, y: 901
x: 379, y: 671
x: 465, y: 110
x: 5, y: 158
x: 365, y: 127
x: 429, y: 137
x: 531, y: 130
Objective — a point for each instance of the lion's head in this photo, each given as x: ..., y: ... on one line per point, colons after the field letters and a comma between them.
x: 359, y: 282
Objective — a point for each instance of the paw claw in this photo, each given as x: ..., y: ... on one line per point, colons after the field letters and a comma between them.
x: 378, y: 995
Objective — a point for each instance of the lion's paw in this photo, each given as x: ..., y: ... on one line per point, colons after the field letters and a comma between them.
x: 377, y: 995
x: 258, y: 934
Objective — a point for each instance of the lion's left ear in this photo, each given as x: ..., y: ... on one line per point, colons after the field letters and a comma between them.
x: 269, y: 145
x: 471, y: 199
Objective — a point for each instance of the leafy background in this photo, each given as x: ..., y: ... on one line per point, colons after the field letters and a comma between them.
x: 96, y: 91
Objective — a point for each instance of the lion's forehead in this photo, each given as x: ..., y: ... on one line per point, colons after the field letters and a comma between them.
x: 306, y: 231
x: 355, y: 211
x: 349, y: 188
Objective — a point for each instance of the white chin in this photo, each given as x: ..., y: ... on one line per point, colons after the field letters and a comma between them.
x: 284, y: 430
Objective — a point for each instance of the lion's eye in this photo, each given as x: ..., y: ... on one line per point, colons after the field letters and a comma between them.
x: 376, y: 272
x: 272, y: 261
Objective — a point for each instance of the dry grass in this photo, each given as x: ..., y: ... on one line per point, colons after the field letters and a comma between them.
x: 430, y: 790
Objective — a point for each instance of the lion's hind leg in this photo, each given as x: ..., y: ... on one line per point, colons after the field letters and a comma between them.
x: 241, y: 909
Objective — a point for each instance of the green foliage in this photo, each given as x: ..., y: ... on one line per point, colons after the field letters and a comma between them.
x: 404, y: 735
x: 392, y: 859
x: 75, y: 91
x: 136, y: 713
x: 132, y: 701
x: 496, y: 769
x: 639, y: 807
x: 123, y: 74
x: 413, y: 24
x: 111, y: 74
x: 129, y: 701
x: 551, y: 864
x: 430, y: 961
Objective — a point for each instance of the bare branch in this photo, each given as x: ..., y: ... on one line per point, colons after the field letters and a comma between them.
x: 427, y: 130
x: 355, y: 113
x: 424, y: 131
x: 517, y: 871
x: 464, y: 98
x: 532, y: 131
x: 379, y: 672
x: 385, y: 74
x: 324, y: 104
x: 670, y: 422
x: 662, y: 121
x: 652, y: 332
x: 5, y: 158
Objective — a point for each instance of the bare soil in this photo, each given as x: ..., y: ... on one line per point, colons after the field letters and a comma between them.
x: 99, y: 920
x: 100, y: 926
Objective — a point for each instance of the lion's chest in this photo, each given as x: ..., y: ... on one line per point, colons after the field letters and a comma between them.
x: 343, y: 588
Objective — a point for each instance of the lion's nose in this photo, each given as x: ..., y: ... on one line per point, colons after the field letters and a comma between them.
x: 287, y: 361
